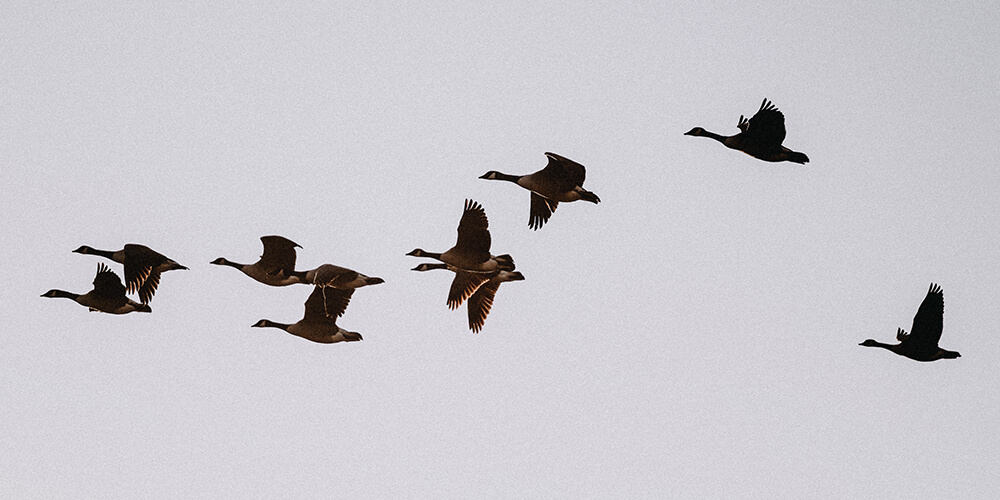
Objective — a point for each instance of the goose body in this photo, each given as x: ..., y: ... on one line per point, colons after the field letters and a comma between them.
x: 921, y: 344
x: 338, y: 277
x: 472, y: 250
x: 760, y: 136
x: 107, y: 296
x: 276, y: 266
x: 560, y: 181
x: 319, y: 324
x: 143, y: 267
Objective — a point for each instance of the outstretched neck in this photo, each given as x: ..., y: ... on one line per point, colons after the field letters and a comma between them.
x: 713, y: 135
x: 61, y: 294
x: 118, y: 256
x: 221, y: 261
x: 874, y: 343
x: 266, y: 323
x: 420, y: 253
x: 493, y: 175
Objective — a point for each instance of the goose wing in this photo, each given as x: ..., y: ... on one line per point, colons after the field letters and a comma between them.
x: 464, y: 285
x: 107, y: 285
x: 766, y: 127
x: 473, y: 232
x: 480, y: 304
x: 541, y: 210
x: 563, y: 173
x: 141, y: 273
x: 279, y: 255
x: 929, y: 320
x: 326, y: 304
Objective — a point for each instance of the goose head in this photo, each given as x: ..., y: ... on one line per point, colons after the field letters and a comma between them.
x: 84, y: 250
x: 492, y: 174
x: 870, y: 343
x: 418, y: 253
x: 695, y: 131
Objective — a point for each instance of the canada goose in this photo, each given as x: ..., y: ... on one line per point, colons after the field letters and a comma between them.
x: 463, y: 286
x: 337, y: 277
x: 107, y: 296
x: 319, y: 324
x: 143, y: 267
x: 472, y: 250
x: 560, y: 180
x: 276, y: 266
x: 921, y: 343
x: 481, y: 301
x: 760, y: 136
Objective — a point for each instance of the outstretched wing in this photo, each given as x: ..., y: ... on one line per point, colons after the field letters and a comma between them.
x: 929, y: 320
x: 474, y: 232
x: 767, y: 127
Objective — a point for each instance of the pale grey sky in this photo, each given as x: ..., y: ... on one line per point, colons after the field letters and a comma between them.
x: 693, y: 336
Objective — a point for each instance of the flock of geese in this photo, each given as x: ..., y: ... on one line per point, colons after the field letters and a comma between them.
x: 478, y: 273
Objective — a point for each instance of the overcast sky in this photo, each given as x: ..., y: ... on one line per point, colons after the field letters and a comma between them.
x: 695, y: 335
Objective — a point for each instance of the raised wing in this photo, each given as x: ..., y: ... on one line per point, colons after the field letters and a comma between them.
x: 473, y: 231
x: 565, y: 173
x: 929, y: 320
x: 107, y: 284
x: 279, y: 255
x: 766, y: 127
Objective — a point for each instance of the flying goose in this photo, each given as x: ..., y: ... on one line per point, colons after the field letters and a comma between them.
x: 472, y: 250
x: 276, y: 266
x: 560, y: 180
x: 760, y: 136
x: 143, y: 267
x: 480, y: 303
x: 107, y: 296
x: 921, y: 344
x: 319, y: 324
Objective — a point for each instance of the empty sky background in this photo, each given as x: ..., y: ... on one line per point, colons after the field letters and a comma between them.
x: 694, y: 335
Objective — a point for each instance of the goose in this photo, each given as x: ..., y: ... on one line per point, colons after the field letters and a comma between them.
x: 276, y: 266
x: 560, y: 180
x: 481, y: 301
x: 921, y: 344
x: 337, y: 277
x: 107, y: 296
x: 760, y: 136
x: 463, y: 286
x: 143, y: 267
x: 472, y: 250
x: 319, y: 324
